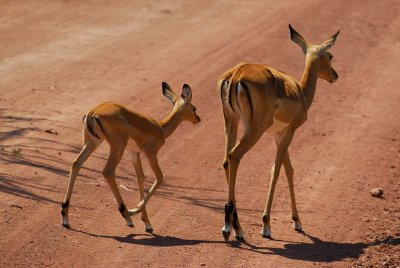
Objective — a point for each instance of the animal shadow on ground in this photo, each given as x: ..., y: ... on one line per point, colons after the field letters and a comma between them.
x: 317, y: 251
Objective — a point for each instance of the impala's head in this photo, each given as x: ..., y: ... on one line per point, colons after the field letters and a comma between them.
x: 324, y: 58
x: 184, y: 103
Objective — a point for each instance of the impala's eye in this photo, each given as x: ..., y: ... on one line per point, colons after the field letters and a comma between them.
x: 330, y: 57
x: 194, y: 109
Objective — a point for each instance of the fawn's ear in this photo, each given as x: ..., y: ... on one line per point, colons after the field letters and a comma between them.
x: 298, y: 39
x: 186, y: 93
x: 330, y: 42
x: 168, y: 93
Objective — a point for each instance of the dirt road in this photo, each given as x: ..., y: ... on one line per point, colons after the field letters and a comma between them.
x: 60, y: 58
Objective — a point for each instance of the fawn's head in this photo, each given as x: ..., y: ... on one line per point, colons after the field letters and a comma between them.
x: 324, y: 58
x: 183, y: 104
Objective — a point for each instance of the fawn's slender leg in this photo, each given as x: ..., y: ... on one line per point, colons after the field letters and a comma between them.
x: 137, y: 164
x: 116, y: 153
x: 159, y: 178
x: 87, y: 150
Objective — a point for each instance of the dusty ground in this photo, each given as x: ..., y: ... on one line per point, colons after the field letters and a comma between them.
x: 59, y: 58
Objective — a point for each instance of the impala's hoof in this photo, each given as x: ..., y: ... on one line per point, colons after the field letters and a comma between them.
x: 64, y: 222
x: 239, y: 235
x: 149, y: 229
x: 266, y: 233
x: 130, y: 224
x: 226, y: 234
x: 239, y: 238
x: 298, y: 227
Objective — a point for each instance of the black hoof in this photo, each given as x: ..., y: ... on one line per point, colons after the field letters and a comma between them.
x: 239, y: 238
x: 266, y: 236
x: 130, y: 225
x: 149, y: 230
x: 226, y: 235
x: 66, y: 226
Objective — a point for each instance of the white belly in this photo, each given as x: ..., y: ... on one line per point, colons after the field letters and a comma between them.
x: 277, y: 126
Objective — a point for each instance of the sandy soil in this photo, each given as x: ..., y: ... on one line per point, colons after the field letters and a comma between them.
x: 60, y: 58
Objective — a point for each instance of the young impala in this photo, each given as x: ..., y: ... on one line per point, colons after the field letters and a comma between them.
x: 265, y: 99
x: 121, y: 128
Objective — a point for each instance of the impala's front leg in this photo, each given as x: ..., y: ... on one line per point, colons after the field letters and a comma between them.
x: 116, y: 153
x: 159, y: 178
x: 137, y: 164
x: 283, y: 141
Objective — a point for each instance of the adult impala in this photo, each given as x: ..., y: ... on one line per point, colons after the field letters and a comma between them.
x: 121, y: 128
x: 267, y: 100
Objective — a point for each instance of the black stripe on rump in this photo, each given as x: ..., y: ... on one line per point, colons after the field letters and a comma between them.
x: 246, y: 91
x: 90, y: 127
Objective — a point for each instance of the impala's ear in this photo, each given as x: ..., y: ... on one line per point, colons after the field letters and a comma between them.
x: 168, y: 93
x: 329, y: 43
x: 186, y: 93
x: 298, y: 39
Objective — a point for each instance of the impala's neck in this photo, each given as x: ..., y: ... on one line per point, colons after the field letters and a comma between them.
x: 171, y: 122
x: 308, y: 81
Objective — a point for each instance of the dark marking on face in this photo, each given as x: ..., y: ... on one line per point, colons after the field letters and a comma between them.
x: 122, y: 209
x: 65, y: 204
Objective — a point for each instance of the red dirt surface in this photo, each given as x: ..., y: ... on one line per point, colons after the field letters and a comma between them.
x: 60, y: 58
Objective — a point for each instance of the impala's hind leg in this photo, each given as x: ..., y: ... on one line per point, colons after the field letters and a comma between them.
x: 88, y: 148
x: 290, y: 174
x: 231, y: 129
x: 249, y: 139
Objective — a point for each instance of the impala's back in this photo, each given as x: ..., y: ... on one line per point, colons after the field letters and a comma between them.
x: 254, y: 92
